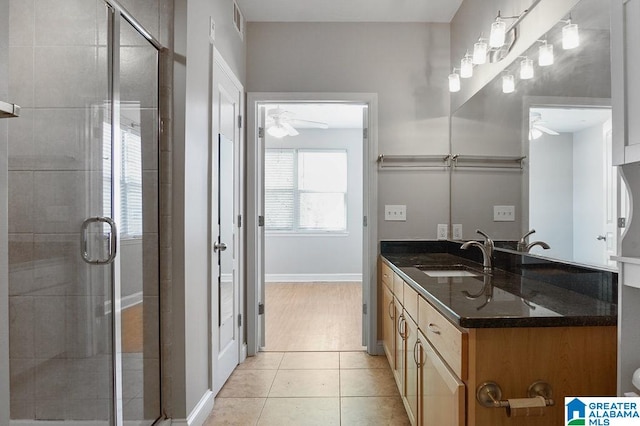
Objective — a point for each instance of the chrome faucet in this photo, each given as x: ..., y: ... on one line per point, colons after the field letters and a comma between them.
x: 488, y: 242
x: 486, y: 257
x: 524, y: 247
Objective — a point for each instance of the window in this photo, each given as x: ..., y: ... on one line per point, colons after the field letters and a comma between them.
x: 306, y: 190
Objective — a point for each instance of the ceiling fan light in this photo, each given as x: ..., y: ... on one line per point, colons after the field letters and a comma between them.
x: 570, y: 36
x: 466, y: 67
x: 454, y: 82
x: 545, y: 55
x: 526, y: 69
x: 277, y: 131
x: 508, y: 83
x: 498, y: 33
x: 534, y: 133
x: 480, y: 53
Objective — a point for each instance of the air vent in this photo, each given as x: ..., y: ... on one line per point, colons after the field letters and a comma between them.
x: 238, y: 20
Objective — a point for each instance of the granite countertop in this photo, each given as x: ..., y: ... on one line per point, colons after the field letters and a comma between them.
x: 501, y: 299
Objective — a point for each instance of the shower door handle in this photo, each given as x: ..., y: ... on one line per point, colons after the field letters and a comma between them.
x: 113, y: 240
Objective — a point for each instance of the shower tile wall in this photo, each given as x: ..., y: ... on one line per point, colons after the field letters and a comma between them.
x: 58, y: 306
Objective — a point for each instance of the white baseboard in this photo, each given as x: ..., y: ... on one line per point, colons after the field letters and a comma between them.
x: 380, y: 348
x: 81, y: 423
x: 289, y: 278
x: 199, y: 413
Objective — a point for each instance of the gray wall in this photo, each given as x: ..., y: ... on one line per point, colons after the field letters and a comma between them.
x: 192, y: 88
x: 316, y: 254
x: 4, y: 277
x: 405, y: 64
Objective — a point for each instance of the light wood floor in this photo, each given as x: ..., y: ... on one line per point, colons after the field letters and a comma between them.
x: 318, y: 316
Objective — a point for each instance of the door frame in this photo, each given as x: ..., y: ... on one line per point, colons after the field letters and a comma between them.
x: 254, y: 184
x: 239, y: 170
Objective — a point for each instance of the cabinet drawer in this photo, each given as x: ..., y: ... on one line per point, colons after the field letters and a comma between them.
x: 398, y: 287
x: 410, y: 301
x: 386, y: 276
x: 446, y: 338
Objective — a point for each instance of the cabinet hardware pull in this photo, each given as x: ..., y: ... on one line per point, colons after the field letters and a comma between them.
x: 415, y: 353
x: 433, y: 328
x: 390, y: 309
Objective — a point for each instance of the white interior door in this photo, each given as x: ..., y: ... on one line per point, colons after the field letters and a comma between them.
x: 226, y: 314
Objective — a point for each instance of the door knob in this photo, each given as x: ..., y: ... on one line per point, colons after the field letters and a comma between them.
x: 219, y: 246
x: 601, y: 237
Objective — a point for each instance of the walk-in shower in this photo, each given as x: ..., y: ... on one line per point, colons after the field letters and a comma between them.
x: 83, y: 178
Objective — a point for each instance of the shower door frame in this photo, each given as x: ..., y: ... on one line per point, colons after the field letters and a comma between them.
x: 117, y: 13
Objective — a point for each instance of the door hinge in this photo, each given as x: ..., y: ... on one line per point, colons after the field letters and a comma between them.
x: 260, y: 308
x: 365, y: 133
x: 239, y: 122
x: 622, y: 222
x: 161, y: 125
x: 260, y: 220
x: 239, y: 221
x: 365, y: 221
x: 261, y: 132
x: 364, y: 309
x: 239, y: 320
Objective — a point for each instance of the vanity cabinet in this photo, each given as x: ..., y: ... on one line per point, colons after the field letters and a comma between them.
x: 439, y: 365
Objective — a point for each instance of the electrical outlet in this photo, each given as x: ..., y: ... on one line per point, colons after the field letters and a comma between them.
x: 457, y: 231
x: 504, y: 213
x: 443, y: 231
x: 395, y: 212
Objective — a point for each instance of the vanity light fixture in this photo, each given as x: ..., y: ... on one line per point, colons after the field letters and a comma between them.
x: 466, y: 66
x: 498, y: 32
x: 480, y: 50
x: 570, y: 35
x: 508, y: 83
x: 534, y: 133
x: 526, y: 69
x: 277, y: 131
x: 454, y: 81
x: 545, y: 54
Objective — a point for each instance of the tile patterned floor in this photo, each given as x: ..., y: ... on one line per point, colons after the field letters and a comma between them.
x: 310, y: 388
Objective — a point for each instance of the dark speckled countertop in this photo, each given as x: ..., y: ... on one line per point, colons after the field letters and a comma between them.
x: 501, y: 299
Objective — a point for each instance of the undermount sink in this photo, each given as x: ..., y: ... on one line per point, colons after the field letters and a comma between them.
x: 440, y: 271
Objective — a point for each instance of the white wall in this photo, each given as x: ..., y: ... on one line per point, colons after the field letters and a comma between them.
x: 406, y: 64
x: 191, y: 127
x: 551, y: 172
x: 294, y: 256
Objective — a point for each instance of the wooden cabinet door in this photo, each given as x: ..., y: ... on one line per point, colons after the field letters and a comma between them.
x: 441, y: 392
x: 388, y: 312
x: 411, y: 369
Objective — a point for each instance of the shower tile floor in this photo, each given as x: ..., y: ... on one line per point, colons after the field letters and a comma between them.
x: 310, y: 388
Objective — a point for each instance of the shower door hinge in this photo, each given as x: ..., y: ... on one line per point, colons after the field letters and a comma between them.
x: 364, y: 221
x: 261, y: 132
x: 260, y: 220
x: 260, y: 308
x: 239, y: 221
x: 622, y: 222
x: 161, y: 125
x: 365, y: 133
x: 239, y: 122
x: 239, y: 320
x: 364, y: 309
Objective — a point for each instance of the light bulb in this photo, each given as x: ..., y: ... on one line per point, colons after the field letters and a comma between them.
x: 498, y: 33
x: 480, y: 53
x: 508, y: 83
x: 466, y: 67
x: 454, y: 82
x: 570, y: 36
x: 545, y: 55
x: 635, y: 379
x: 526, y: 69
x: 277, y: 131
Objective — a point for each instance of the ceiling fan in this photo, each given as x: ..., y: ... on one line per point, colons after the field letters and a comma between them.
x: 536, y: 127
x: 280, y: 123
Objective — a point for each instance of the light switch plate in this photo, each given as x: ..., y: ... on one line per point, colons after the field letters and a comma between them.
x: 457, y: 231
x: 443, y: 231
x: 504, y: 213
x: 395, y: 212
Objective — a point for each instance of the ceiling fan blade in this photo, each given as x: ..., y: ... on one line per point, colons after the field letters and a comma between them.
x: 546, y: 130
x: 317, y: 124
x: 290, y: 129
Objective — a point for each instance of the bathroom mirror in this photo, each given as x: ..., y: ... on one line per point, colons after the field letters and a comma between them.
x: 559, y: 121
